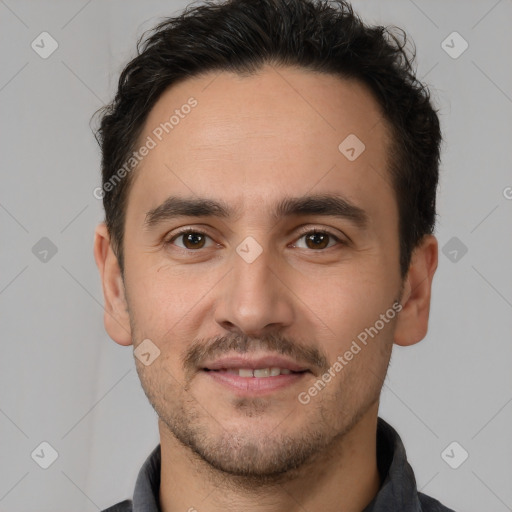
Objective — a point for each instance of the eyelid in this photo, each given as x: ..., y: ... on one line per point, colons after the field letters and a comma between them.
x: 303, y: 230
x: 340, y: 237
x: 184, y: 231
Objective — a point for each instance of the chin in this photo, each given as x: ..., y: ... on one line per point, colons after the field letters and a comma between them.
x: 256, y: 451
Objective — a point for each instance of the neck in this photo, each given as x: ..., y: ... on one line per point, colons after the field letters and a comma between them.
x: 344, y: 478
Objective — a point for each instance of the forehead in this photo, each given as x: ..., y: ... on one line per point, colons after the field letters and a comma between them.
x: 258, y: 137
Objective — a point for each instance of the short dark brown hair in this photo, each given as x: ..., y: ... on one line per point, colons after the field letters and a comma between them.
x: 241, y: 36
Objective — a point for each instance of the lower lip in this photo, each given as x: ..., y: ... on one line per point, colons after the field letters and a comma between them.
x: 254, y: 385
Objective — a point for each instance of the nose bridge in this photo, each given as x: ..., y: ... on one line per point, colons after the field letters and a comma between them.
x: 252, y: 270
x: 254, y: 298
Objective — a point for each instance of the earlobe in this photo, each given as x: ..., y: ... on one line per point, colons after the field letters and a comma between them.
x: 116, y: 316
x: 412, y: 322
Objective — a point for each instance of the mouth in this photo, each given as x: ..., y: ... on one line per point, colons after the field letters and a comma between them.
x: 255, y: 376
x: 257, y: 373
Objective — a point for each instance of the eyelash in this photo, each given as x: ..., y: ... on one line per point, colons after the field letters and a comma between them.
x: 303, y: 232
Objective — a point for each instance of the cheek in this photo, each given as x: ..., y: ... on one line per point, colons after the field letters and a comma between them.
x: 158, y: 298
x: 349, y: 326
x: 348, y: 302
x: 164, y: 309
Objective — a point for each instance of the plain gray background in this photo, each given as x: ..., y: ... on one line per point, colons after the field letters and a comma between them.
x: 63, y: 381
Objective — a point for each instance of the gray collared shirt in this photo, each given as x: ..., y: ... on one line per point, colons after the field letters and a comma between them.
x: 398, y: 492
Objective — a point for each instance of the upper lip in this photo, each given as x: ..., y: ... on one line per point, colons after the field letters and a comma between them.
x: 269, y: 361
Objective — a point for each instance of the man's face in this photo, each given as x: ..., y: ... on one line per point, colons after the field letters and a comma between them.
x: 249, y: 143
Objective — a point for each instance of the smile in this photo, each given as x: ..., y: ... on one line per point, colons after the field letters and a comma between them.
x: 257, y: 373
x: 244, y: 382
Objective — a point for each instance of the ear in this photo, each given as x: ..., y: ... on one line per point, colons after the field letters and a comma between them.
x: 412, y: 322
x: 116, y: 317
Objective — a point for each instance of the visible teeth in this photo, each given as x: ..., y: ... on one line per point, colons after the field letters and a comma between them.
x: 258, y: 372
x: 262, y: 372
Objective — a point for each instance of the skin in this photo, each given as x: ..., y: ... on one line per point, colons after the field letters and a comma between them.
x: 250, y: 142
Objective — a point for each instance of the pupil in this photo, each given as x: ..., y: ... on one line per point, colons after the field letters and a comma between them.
x: 192, y: 237
x: 323, y: 237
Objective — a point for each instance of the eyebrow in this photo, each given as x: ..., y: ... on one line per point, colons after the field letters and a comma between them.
x: 327, y: 205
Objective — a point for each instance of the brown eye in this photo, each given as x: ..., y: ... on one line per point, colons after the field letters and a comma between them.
x: 317, y: 240
x: 190, y: 238
x: 193, y: 240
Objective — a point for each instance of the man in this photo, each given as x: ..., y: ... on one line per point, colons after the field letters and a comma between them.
x: 269, y: 180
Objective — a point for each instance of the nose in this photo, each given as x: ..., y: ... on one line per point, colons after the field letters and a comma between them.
x: 254, y: 298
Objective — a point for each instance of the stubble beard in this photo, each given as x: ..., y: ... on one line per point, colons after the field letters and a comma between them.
x: 243, y: 457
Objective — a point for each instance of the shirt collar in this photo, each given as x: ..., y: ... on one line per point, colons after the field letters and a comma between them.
x: 397, y: 492
x: 147, y: 486
x: 398, y: 485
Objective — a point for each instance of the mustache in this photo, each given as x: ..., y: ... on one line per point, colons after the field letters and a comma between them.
x: 203, y: 350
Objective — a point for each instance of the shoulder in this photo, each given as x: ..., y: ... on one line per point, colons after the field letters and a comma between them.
x: 122, y: 506
x: 429, y: 504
